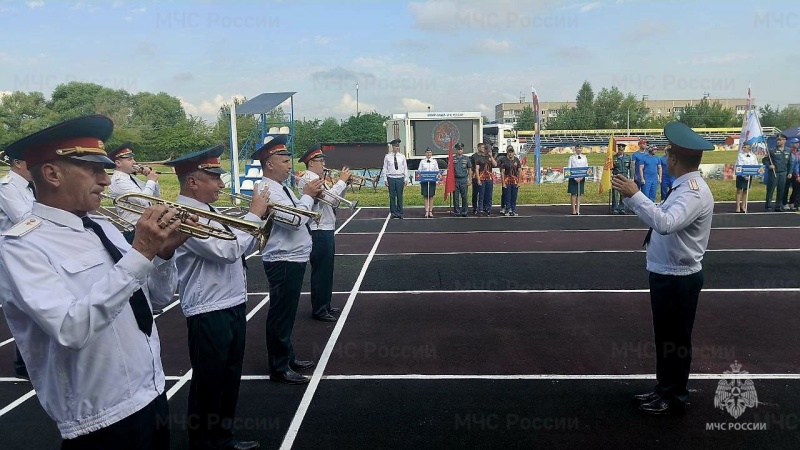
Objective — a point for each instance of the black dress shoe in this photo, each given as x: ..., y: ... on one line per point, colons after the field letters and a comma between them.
x: 299, y: 365
x: 289, y: 377
x: 645, y: 398
x: 663, y: 407
x: 334, y: 310
x: 244, y: 445
x: 327, y: 317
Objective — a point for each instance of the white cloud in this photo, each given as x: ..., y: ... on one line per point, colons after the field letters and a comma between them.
x: 493, y: 46
x: 347, y: 105
x: 117, y: 4
x: 139, y: 10
x: 586, y: 7
x: 416, y: 105
x: 35, y: 4
x: 207, y: 109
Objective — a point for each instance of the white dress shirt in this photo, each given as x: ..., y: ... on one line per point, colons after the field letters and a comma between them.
x: 402, y: 167
x: 578, y: 161
x: 328, y: 219
x: 427, y: 165
x: 210, y: 272
x: 747, y: 159
x: 681, y: 225
x: 16, y: 200
x: 123, y: 183
x: 67, y: 305
x: 287, y: 242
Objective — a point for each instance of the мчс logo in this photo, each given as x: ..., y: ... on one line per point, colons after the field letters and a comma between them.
x: 738, y: 394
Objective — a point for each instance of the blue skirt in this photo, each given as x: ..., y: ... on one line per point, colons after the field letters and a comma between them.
x: 428, y: 189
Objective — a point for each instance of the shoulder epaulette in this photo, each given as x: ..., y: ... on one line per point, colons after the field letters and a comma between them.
x: 694, y: 185
x: 24, y: 227
x: 5, y: 180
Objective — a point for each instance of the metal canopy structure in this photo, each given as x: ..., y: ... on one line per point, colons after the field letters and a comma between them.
x: 260, y: 105
x: 263, y: 103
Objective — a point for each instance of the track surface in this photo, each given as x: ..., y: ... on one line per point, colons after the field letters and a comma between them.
x: 501, y: 332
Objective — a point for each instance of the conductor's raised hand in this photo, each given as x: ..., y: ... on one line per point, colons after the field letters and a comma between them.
x: 625, y: 186
x: 260, y: 201
x: 313, y: 188
x: 344, y: 175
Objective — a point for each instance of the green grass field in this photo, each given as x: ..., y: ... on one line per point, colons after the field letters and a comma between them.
x: 528, y: 194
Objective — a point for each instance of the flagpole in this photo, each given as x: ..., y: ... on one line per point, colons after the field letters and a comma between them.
x: 747, y: 194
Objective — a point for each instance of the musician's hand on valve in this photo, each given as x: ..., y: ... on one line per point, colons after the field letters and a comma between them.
x: 313, y: 188
x: 260, y: 202
x: 150, y: 173
x: 155, y: 225
x: 176, y: 238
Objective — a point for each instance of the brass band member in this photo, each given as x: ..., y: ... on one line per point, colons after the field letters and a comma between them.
x: 323, y: 248
x: 213, y: 290
x: 16, y: 200
x: 123, y: 181
x: 285, y: 257
x: 78, y: 296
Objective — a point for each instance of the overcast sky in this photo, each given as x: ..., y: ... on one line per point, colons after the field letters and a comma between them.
x: 405, y: 56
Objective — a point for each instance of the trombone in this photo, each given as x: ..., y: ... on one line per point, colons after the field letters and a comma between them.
x: 290, y: 215
x: 328, y: 197
x: 260, y: 230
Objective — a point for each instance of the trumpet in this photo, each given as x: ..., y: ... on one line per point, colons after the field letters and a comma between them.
x: 328, y: 197
x: 139, y: 169
x: 120, y: 223
x: 260, y: 230
x: 290, y: 215
x: 355, y: 180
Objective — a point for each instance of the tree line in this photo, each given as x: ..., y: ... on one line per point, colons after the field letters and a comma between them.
x: 159, y: 127
x: 610, y: 108
x: 157, y: 124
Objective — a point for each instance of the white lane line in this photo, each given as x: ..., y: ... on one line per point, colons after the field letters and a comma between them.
x: 17, y: 402
x: 305, y: 402
x: 569, y: 252
x: 347, y: 221
x: 563, y: 291
x: 585, y: 230
x: 188, y: 375
x: 696, y: 376
x: 7, y: 341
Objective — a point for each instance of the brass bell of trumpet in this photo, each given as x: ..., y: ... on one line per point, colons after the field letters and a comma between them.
x: 328, y: 197
x: 260, y: 230
x: 290, y: 215
x: 355, y: 180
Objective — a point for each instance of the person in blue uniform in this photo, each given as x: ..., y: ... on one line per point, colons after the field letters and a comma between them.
x: 575, y: 186
x: 636, y: 160
x: 215, y: 311
x: 650, y: 173
x: 676, y: 242
x: 428, y: 188
x: 666, y: 178
x: 78, y: 297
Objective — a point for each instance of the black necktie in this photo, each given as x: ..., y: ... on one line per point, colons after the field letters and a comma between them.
x: 134, y: 180
x: 650, y: 231
x: 32, y: 188
x: 285, y: 189
x: 396, y: 167
x: 227, y: 228
x: 141, y: 309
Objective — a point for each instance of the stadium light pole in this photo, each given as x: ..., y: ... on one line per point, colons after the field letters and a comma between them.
x: 356, y: 98
x: 629, y: 120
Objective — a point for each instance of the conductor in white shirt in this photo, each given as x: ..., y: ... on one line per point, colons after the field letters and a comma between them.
x: 396, y: 169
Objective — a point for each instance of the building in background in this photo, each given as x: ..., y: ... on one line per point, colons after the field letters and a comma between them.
x: 508, y: 113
